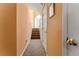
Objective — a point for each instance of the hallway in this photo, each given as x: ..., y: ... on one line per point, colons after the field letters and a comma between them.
x: 35, y: 48
x: 37, y: 45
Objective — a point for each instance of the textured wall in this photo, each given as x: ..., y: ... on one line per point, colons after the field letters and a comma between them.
x: 44, y: 29
x: 24, y: 26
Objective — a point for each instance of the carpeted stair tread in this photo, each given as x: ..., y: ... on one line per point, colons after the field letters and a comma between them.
x: 35, y: 33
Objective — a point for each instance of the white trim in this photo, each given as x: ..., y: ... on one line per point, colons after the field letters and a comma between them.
x: 28, y: 42
x: 46, y: 31
x: 25, y: 47
x: 64, y: 29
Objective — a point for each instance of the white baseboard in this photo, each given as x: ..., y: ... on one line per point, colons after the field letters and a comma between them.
x: 28, y: 41
x: 25, y: 47
x: 44, y: 48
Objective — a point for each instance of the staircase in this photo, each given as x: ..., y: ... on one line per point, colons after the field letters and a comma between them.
x: 35, y: 33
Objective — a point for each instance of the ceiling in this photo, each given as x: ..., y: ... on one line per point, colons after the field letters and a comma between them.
x: 36, y: 7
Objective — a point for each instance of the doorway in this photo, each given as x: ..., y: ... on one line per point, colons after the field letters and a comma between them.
x: 38, y: 42
x: 36, y: 27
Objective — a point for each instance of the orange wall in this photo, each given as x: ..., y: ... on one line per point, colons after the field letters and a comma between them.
x: 24, y: 26
x: 55, y: 32
x: 7, y: 29
x: 15, y: 28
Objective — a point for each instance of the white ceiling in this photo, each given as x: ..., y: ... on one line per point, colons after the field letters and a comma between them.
x: 36, y: 6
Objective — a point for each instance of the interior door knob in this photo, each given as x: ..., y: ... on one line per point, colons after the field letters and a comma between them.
x: 72, y: 42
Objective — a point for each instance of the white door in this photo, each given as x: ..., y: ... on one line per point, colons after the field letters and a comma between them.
x: 72, y: 23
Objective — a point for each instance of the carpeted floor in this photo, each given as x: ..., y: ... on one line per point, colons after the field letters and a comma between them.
x: 35, y: 48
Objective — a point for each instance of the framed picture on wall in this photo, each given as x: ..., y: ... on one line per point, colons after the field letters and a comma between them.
x: 51, y: 10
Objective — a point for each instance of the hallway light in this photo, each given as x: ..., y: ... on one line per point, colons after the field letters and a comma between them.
x: 38, y: 16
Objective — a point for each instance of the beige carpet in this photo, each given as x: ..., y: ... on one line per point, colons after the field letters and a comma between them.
x: 35, y: 48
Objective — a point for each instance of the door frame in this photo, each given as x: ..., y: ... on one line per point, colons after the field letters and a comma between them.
x: 45, y: 5
x: 64, y: 28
